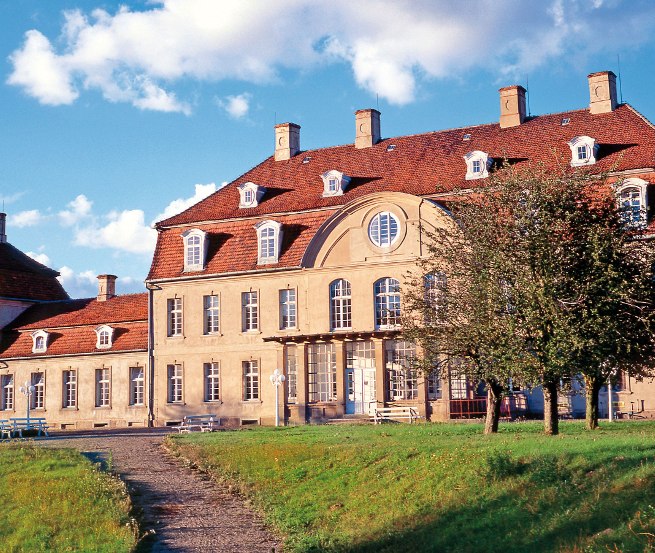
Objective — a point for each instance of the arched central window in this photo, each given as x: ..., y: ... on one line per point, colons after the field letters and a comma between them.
x: 340, y: 305
x: 267, y: 243
x: 195, y: 247
x: 383, y: 229
x: 387, y: 303
x: 631, y: 205
x: 269, y: 238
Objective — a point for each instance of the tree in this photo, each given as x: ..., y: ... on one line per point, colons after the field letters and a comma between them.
x: 546, y: 280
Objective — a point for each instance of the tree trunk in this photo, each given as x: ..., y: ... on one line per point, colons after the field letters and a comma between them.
x: 592, y: 387
x: 551, y: 416
x: 494, y: 399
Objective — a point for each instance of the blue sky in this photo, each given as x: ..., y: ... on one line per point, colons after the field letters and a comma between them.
x: 114, y: 114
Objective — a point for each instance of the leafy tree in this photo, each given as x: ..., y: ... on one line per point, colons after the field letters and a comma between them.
x: 545, y: 280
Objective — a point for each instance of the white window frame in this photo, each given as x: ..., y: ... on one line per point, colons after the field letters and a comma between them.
x: 250, y: 194
x: 384, y: 229
x: 103, y: 387
x: 37, y: 398
x: 288, y: 308
x: 291, y: 372
x: 269, y: 241
x: 195, y: 249
x: 212, y: 378
x: 340, y: 305
x: 477, y: 165
x: 69, y: 389
x: 436, y: 294
x: 137, y: 386
x: 322, y: 372
x: 175, y: 383
x: 586, y: 144
x: 334, y: 183
x: 250, y: 311
x: 8, y: 392
x: 174, y: 317
x: 640, y: 186
x: 386, y: 292
x: 402, y: 378
x: 211, y: 314
x: 40, y: 341
x: 250, y: 371
x: 104, y: 337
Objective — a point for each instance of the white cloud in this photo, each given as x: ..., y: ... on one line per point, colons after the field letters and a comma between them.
x: 78, y: 285
x: 124, y: 230
x: 78, y: 210
x: 392, y: 47
x: 10, y: 198
x: 40, y: 257
x: 179, y: 205
x: 24, y: 219
x: 236, y: 106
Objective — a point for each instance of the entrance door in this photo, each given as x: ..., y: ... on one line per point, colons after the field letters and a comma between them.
x: 361, y: 391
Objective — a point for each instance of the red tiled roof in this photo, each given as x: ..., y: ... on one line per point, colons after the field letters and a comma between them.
x: 233, y: 246
x: 422, y: 164
x: 22, y: 277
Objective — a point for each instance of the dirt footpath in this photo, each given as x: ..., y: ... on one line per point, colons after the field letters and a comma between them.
x: 181, y: 510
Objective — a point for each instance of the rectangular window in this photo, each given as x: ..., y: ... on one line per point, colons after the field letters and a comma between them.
x: 322, y: 372
x: 174, y: 316
x: 250, y: 380
x: 291, y: 372
x: 7, y: 383
x: 434, y: 384
x: 37, y: 399
x: 582, y: 152
x: 174, y: 383
x: 212, y: 382
x: 137, y: 386
x: 401, y: 376
x: 287, y: 309
x: 102, y: 387
x: 250, y: 311
x: 69, y: 389
x: 211, y: 314
x: 458, y: 385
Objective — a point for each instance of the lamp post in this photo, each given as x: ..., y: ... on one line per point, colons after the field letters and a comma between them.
x: 28, y: 390
x: 277, y: 378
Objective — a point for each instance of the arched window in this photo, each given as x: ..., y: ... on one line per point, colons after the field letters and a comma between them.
x: 383, y: 229
x: 340, y: 305
x: 436, y: 288
x: 631, y: 198
x: 387, y: 303
x: 584, y: 150
x: 250, y: 194
x: 104, y: 334
x: 194, y: 249
x: 269, y: 238
x: 39, y: 341
x: 477, y: 164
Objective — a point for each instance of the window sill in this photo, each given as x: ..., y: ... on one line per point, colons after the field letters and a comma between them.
x: 251, y: 401
x: 213, y: 401
x: 212, y: 334
x: 253, y: 332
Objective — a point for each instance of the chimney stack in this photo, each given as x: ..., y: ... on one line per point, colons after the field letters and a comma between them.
x: 106, y: 287
x: 602, y: 92
x: 367, y: 128
x: 512, y: 106
x: 287, y: 141
x: 3, y: 235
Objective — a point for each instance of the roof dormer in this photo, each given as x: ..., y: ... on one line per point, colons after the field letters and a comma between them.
x: 334, y: 183
x: 40, y: 341
x: 105, y: 337
x: 195, y: 249
x: 477, y: 165
x: 583, y: 151
x: 250, y: 194
x: 269, y: 241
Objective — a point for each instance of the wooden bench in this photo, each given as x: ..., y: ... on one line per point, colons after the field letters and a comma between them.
x: 201, y: 423
x: 18, y: 425
x: 387, y: 414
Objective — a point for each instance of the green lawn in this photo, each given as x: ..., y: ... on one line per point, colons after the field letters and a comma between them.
x: 56, y: 500
x: 443, y: 487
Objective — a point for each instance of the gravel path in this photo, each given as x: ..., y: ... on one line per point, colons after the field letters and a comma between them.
x: 181, y: 510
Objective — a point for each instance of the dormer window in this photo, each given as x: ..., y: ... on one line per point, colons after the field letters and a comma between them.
x: 334, y: 183
x: 477, y: 165
x: 631, y: 197
x: 195, y: 249
x: 269, y: 240
x: 39, y: 341
x: 583, y: 151
x: 250, y: 194
x: 105, y: 335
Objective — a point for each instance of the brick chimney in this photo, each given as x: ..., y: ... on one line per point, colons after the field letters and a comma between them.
x: 512, y: 106
x: 3, y: 234
x: 106, y: 287
x: 367, y: 128
x: 287, y: 141
x: 602, y: 92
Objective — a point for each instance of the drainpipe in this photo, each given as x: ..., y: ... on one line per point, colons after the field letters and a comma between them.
x: 151, y: 357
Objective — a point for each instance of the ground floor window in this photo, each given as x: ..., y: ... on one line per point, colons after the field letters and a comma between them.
x: 291, y: 372
x: 7, y: 399
x: 458, y: 386
x: 322, y: 372
x: 174, y: 383
x: 401, y: 376
x: 250, y: 380
x: 37, y: 399
x: 433, y: 381
x: 102, y: 387
x: 137, y: 386
x: 69, y: 389
x: 212, y: 381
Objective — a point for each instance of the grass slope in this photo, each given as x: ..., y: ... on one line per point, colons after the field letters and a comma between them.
x: 443, y: 487
x: 55, y: 500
